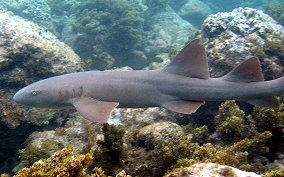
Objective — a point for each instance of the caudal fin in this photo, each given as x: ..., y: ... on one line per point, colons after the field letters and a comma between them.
x: 250, y: 71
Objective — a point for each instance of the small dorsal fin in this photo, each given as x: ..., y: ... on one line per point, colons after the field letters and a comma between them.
x: 247, y: 71
x: 190, y: 62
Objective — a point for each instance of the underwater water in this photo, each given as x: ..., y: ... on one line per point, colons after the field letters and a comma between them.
x: 40, y: 39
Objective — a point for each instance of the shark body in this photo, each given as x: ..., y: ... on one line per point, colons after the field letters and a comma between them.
x: 182, y: 86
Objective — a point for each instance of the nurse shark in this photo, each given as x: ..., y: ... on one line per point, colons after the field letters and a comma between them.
x: 182, y: 86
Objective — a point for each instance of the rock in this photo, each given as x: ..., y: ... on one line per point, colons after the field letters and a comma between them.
x: 77, y: 132
x: 231, y: 37
x: 29, y: 52
x: 152, y: 134
x: 177, y: 4
x: 167, y: 30
x: 194, y: 11
x: 133, y: 118
x: 209, y: 170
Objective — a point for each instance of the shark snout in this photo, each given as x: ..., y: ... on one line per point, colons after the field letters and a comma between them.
x: 17, y: 97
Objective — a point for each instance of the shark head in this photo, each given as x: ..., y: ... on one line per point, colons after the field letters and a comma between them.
x: 38, y: 94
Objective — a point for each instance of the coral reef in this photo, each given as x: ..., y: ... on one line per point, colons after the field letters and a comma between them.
x: 154, y: 149
x: 233, y: 36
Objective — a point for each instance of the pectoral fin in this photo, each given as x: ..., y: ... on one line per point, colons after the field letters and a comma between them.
x: 94, y: 110
x: 184, y: 107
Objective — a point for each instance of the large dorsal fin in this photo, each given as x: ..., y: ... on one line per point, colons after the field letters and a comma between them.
x: 247, y: 71
x: 190, y: 62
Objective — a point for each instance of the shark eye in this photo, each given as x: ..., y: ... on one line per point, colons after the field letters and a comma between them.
x: 34, y: 93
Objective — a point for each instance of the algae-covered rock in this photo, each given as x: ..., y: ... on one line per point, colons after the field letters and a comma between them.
x: 231, y: 37
x: 29, y: 52
x: 150, y: 135
x: 209, y: 170
x: 76, y: 132
x: 167, y: 29
x: 276, y: 10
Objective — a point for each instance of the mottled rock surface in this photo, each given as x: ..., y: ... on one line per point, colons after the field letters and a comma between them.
x: 210, y: 170
x: 231, y: 37
x: 29, y: 53
x: 150, y: 135
x: 133, y: 118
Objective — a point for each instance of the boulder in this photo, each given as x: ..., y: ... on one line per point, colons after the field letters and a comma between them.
x: 210, y: 170
x: 232, y: 37
x: 194, y: 11
x: 29, y: 53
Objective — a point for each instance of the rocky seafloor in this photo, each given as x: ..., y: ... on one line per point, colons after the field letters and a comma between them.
x: 228, y: 139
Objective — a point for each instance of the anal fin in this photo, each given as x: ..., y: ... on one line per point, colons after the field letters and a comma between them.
x: 94, y: 110
x: 269, y: 102
x: 184, y: 107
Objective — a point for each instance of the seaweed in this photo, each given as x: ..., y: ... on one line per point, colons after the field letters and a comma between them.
x: 230, y: 122
x: 274, y: 173
x: 119, y: 23
x: 64, y: 163
x: 110, y: 151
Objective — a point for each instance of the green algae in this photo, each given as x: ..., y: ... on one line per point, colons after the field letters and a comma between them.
x: 230, y: 122
x: 110, y: 151
x: 119, y: 22
x: 275, y: 173
x: 200, y: 134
